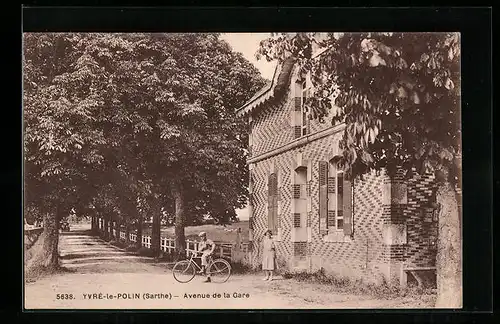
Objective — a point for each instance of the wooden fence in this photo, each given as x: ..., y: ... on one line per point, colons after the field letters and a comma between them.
x: 167, y: 244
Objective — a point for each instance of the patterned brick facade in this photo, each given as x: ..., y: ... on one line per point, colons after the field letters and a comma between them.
x: 393, y: 226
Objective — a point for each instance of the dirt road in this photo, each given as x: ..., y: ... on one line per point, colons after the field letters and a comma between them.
x: 105, y: 277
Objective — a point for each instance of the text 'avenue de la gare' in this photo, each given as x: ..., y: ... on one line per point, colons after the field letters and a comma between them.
x: 217, y: 295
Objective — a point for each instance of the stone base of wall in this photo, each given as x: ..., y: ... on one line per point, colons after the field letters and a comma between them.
x: 302, y: 264
x: 377, y: 273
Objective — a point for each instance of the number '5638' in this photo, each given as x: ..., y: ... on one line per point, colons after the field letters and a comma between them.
x: 64, y: 296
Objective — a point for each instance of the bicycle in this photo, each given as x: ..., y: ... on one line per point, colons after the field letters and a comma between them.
x: 185, y: 270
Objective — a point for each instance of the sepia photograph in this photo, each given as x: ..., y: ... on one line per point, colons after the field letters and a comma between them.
x: 269, y: 170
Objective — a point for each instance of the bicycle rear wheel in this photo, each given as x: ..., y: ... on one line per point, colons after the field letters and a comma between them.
x: 183, y: 271
x: 220, y: 270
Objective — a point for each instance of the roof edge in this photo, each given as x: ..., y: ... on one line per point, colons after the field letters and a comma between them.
x: 269, y: 91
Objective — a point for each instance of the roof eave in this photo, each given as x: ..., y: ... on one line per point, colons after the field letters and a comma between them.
x: 269, y: 93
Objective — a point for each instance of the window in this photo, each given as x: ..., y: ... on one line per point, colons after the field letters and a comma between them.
x: 335, y: 198
x: 300, y: 114
x: 299, y: 195
x: 250, y: 140
x: 323, y: 197
x: 339, y: 219
x: 304, y: 96
x: 273, y: 202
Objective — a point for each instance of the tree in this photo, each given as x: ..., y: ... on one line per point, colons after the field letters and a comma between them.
x: 69, y: 103
x: 399, y: 97
x: 150, y: 113
x: 55, y: 130
x: 180, y: 93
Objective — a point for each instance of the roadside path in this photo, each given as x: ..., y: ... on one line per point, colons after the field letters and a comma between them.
x: 99, y: 271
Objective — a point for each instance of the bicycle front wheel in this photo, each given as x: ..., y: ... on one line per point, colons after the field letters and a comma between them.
x: 220, y: 270
x: 183, y: 271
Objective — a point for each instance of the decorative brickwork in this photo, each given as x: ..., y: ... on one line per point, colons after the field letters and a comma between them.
x: 271, y: 129
x: 421, y: 228
x: 300, y: 249
x: 378, y: 202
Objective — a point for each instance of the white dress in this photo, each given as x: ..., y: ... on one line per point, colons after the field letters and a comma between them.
x: 268, y: 254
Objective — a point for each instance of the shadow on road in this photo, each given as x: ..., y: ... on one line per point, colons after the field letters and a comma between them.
x: 78, y: 232
x: 83, y: 253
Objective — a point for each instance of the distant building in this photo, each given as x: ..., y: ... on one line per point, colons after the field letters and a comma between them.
x: 373, y: 229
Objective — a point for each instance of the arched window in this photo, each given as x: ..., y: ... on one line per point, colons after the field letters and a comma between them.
x: 335, y: 198
x: 301, y: 115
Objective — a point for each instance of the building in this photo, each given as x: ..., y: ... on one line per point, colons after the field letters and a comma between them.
x: 378, y: 229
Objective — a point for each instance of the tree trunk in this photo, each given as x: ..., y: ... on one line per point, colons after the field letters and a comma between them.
x: 139, y: 231
x: 449, y: 250
x: 44, y: 254
x: 100, y: 225
x: 156, y: 229
x: 96, y: 225
x: 119, y: 230
x: 127, y: 233
x: 92, y: 224
x: 180, y: 237
x: 106, y: 228
x: 111, y: 228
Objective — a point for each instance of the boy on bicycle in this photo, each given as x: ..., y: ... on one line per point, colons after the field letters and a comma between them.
x: 206, y: 247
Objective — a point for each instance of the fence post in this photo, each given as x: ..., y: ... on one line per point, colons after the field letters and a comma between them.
x: 237, y: 246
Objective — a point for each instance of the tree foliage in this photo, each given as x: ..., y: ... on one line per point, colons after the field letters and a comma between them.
x: 109, y: 118
x: 398, y: 93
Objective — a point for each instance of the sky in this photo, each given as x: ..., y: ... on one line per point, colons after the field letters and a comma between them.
x: 247, y: 44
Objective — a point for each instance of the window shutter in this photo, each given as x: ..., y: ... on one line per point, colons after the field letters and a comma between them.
x: 275, y: 184
x: 274, y: 225
x: 297, y: 131
x: 347, y: 206
x: 278, y: 202
x: 272, y: 206
x: 323, y: 197
x: 296, y: 191
x: 331, y: 218
x: 298, y: 104
x: 331, y: 185
x: 296, y: 220
x: 270, y: 209
x: 323, y: 173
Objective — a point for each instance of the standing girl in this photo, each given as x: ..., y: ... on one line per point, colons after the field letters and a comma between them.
x: 268, y: 255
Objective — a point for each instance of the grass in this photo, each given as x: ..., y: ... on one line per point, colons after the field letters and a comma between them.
x: 34, y: 273
x: 217, y: 233
x: 353, y: 286
x: 238, y: 267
